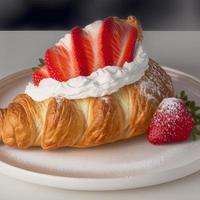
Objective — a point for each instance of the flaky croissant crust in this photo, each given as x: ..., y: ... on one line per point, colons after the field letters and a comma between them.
x: 93, y: 121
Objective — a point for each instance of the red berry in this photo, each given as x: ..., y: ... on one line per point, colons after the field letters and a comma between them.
x: 82, y: 52
x: 116, y: 43
x: 111, y: 43
x: 105, y: 44
x: 39, y: 74
x: 171, y: 123
x: 58, y: 61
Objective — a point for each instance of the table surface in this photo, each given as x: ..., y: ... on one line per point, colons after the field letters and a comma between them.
x: 180, y: 50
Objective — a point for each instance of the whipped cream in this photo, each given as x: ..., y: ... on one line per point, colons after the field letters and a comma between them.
x: 102, y: 82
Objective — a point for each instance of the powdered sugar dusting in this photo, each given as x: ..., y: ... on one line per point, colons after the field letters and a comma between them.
x: 105, y: 99
x: 171, y: 105
x: 156, y: 84
x: 144, y: 89
x: 59, y: 100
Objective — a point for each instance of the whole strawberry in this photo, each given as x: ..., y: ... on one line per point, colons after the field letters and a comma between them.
x: 171, y: 123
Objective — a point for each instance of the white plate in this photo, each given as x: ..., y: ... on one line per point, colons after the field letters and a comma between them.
x: 123, y: 165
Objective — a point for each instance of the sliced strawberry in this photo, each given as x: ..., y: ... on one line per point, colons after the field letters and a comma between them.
x: 128, y: 47
x: 82, y: 52
x: 55, y: 74
x: 59, y: 63
x: 106, y: 34
x: 39, y: 74
x: 112, y: 43
x: 116, y: 42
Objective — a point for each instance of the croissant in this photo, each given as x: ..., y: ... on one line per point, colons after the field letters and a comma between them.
x: 55, y: 123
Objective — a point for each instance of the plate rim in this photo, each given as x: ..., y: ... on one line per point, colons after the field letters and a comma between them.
x: 96, y: 184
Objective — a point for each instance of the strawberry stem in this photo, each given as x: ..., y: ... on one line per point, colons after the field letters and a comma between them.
x: 34, y: 68
x: 41, y: 64
x: 194, y: 110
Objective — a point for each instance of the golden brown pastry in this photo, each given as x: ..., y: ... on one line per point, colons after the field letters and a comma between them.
x: 88, y: 122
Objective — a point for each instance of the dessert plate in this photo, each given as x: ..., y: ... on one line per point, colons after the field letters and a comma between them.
x: 123, y: 165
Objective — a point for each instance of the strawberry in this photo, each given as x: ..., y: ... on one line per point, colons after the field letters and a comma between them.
x: 128, y: 47
x: 171, y: 123
x: 39, y: 74
x: 105, y: 42
x: 116, y: 43
x: 111, y: 43
x: 58, y: 61
x: 82, y: 52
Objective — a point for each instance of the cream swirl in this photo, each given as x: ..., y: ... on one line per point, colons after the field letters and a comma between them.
x: 102, y: 82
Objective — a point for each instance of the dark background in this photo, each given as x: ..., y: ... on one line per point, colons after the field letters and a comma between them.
x: 63, y: 14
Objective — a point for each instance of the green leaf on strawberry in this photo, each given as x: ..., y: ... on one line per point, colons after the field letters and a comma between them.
x: 194, y: 110
x: 34, y: 68
x: 41, y: 62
